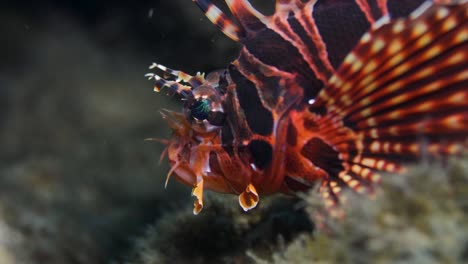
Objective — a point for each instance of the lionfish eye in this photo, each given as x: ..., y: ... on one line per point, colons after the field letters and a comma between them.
x: 200, y: 109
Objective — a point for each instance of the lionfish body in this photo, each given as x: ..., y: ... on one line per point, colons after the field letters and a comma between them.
x: 325, y: 92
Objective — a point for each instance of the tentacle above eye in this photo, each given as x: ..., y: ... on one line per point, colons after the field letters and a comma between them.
x: 181, y: 76
x: 175, y: 86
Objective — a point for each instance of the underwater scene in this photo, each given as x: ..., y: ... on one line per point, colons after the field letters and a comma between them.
x: 233, y: 131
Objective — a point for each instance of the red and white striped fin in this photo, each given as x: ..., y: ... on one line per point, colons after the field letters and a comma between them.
x: 249, y: 17
x: 330, y: 192
x: 401, y: 93
x: 298, y: 39
x: 373, y: 9
x: 294, y: 22
x: 217, y: 17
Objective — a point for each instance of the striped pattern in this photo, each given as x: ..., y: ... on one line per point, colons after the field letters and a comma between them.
x: 217, y: 17
x: 324, y: 92
x: 175, y: 86
x: 373, y: 9
x: 402, y: 94
x: 289, y: 44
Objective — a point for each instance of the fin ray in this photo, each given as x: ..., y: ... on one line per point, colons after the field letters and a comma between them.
x: 412, y: 102
x: 217, y: 17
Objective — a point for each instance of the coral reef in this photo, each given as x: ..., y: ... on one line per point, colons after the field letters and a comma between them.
x: 418, y: 217
x: 222, y: 233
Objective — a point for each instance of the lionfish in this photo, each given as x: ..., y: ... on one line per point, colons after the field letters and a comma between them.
x: 323, y: 93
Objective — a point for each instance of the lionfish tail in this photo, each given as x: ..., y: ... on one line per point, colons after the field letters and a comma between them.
x: 401, y: 95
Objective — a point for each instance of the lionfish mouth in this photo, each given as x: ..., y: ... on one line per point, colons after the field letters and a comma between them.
x: 192, y: 163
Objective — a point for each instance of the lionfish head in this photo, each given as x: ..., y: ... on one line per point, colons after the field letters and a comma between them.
x: 203, y: 112
x: 196, y: 129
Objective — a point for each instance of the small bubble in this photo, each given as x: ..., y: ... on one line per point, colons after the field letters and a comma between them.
x: 151, y: 13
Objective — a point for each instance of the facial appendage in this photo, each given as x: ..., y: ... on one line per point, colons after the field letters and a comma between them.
x: 195, y: 150
x: 207, y: 116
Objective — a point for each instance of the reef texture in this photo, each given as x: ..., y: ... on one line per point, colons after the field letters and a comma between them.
x: 418, y: 217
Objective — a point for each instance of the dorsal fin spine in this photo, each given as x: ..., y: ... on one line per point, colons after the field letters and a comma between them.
x: 221, y: 20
